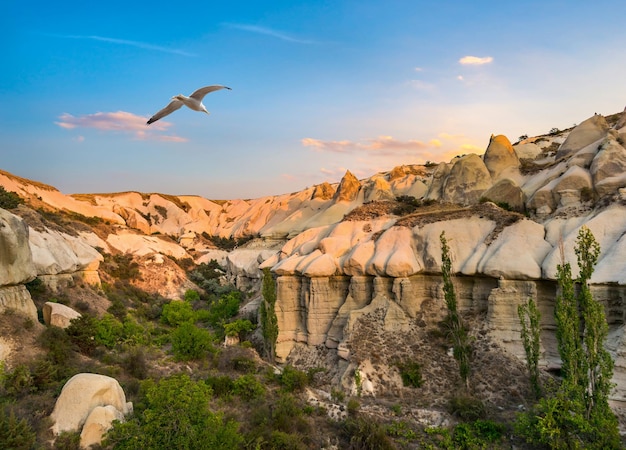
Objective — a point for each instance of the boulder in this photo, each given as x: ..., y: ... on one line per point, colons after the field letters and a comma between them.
x: 507, y: 191
x: 467, y: 181
x: 99, y: 421
x: 500, y: 157
x: 80, y: 395
x: 591, y: 130
x: 58, y: 315
x: 16, y: 262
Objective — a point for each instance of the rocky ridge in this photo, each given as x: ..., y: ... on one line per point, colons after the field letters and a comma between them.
x: 344, y: 252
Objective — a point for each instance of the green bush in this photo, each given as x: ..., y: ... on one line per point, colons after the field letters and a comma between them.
x: 82, y: 332
x: 477, y: 434
x: 224, y: 308
x: 190, y: 342
x: 58, y: 345
x: 366, y: 434
x: 109, y: 331
x: 174, y: 414
x: 177, y: 312
x: 248, y: 387
x: 19, y: 381
x: 292, y: 379
x: 222, y: 385
x: 467, y: 407
x: 9, y: 199
x: 15, y: 433
x: 238, y: 327
x: 411, y: 374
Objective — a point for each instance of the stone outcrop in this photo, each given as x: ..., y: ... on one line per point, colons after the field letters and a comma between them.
x: 15, y: 256
x: 348, y: 189
x: 507, y: 191
x: 16, y: 266
x: 467, y: 180
x: 80, y: 397
x: 58, y: 315
x: 500, y: 158
x: 586, y: 133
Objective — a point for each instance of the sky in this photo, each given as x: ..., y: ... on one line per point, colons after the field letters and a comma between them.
x: 318, y: 87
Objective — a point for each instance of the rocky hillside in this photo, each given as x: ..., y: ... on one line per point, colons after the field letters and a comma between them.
x: 363, y: 252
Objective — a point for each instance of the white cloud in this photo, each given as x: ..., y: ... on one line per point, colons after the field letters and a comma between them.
x: 119, y: 121
x: 475, y: 60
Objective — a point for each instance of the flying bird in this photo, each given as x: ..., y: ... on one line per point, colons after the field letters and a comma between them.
x: 194, y: 101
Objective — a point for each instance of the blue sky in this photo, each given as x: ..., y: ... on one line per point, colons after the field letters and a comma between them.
x: 318, y: 87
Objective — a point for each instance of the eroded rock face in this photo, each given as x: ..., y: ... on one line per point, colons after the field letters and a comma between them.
x: 16, y: 262
x: 81, y: 395
x: 348, y: 189
x: 500, y: 157
x: 586, y: 133
x: 467, y: 181
x: 507, y: 191
x: 608, y: 168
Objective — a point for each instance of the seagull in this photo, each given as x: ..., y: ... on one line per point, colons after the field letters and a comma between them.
x: 194, y: 101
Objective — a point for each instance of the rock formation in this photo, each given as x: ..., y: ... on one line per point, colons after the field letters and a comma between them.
x: 89, y: 403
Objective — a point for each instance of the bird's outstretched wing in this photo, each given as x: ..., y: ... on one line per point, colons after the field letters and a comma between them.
x: 169, y: 109
x: 200, y: 93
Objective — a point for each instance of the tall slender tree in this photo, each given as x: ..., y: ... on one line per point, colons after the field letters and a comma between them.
x: 530, y: 319
x: 269, y: 321
x: 461, y: 346
x: 578, y: 415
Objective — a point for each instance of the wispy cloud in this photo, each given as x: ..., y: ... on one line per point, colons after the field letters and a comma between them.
x: 120, y: 121
x: 269, y: 32
x: 383, y: 145
x: 142, y: 45
x: 475, y: 60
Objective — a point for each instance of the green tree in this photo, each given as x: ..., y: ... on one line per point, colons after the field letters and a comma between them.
x: 530, y: 319
x: 461, y: 346
x: 269, y: 321
x: 578, y: 414
x: 190, y: 342
x: 174, y: 414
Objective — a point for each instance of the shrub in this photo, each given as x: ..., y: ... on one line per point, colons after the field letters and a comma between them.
x: 135, y: 363
x: 248, y: 387
x: 366, y: 434
x: 221, y: 385
x: 174, y: 413
x: 467, y: 407
x: 243, y: 364
x: 293, y: 379
x: 58, y: 345
x: 411, y: 374
x: 9, y: 199
x: 477, y: 434
x: 176, y: 313
x: 238, y: 327
x: 82, y: 332
x: 18, y: 381
x: 190, y: 342
x: 109, y: 331
x: 224, y: 308
x: 15, y: 433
